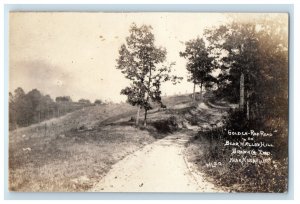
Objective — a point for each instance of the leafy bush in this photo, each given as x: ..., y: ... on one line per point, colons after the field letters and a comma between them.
x: 166, y: 126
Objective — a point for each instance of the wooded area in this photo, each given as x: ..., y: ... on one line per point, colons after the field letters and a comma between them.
x: 251, y: 59
x: 34, y: 107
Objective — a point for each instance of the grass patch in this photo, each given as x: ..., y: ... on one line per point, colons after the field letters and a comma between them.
x: 208, y: 152
x: 74, y: 162
x: 72, y: 153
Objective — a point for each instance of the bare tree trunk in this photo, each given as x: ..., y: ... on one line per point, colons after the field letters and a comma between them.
x: 256, y: 110
x: 194, y: 93
x: 148, y: 96
x: 201, y: 90
x: 137, y: 116
x: 145, y: 118
x: 242, y: 91
x: 45, y: 129
x: 248, y: 110
x: 248, y: 106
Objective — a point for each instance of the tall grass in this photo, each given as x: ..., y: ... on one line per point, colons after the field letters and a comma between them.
x: 212, y: 157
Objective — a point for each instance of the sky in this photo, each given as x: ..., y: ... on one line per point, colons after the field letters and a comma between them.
x: 74, y: 54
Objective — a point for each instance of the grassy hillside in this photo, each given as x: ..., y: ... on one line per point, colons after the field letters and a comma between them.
x: 73, y: 152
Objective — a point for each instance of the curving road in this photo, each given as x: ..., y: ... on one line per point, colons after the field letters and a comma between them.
x: 158, y: 167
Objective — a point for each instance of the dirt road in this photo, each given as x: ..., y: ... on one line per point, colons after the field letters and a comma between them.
x: 158, y: 167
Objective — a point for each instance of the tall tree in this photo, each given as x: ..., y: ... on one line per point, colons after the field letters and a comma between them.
x: 142, y: 63
x: 12, y: 112
x: 249, y: 54
x: 199, y: 63
x: 98, y: 102
x: 239, y: 42
x: 273, y: 81
x: 19, y: 93
x: 35, y: 97
x: 23, y: 108
x: 63, y: 99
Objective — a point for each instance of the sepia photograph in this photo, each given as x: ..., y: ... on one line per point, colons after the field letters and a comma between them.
x: 148, y: 102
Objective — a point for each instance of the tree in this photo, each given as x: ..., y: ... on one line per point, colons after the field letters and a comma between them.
x: 98, y: 102
x: 142, y: 63
x: 49, y: 106
x: 84, y: 101
x: 273, y: 81
x: 19, y: 93
x: 199, y: 63
x: 63, y: 99
x: 35, y: 97
x: 237, y: 44
x: 12, y: 112
x: 23, y: 108
x: 252, y: 57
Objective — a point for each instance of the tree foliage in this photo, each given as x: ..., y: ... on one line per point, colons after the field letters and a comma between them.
x: 199, y: 63
x: 63, y: 99
x: 98, y: 102
x: 143, y: 64
x: 251, y: 58
x: 259, y: 50
x: 84, y: 101
x: 33, y: 107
